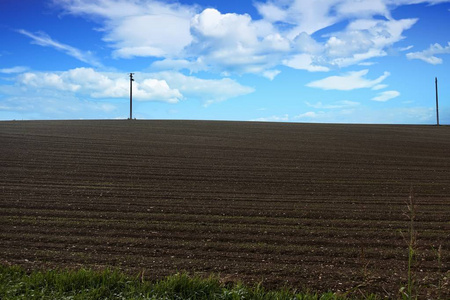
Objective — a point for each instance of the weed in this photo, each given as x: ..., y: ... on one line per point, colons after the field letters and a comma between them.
x: 16, y: 283
x: 410, y: 291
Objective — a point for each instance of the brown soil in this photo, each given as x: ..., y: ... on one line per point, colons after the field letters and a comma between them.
x: 301, y: 205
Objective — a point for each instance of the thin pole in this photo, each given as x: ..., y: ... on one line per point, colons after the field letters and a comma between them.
x: 131, y: 96
x: 437, y: 101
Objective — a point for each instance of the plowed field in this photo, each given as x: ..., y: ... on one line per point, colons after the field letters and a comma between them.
x: 303, y: 205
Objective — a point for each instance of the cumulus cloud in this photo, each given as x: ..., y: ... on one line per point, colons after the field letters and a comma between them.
x: 386, y: 95
x: 87, y: 93
x: 428, y: 55
x: 189, y: 37
x: 347, y: 82
x: 364, y: 39
x: 43, y: 39
x: 86, y: 81
x: 235, y: 43
x: 168, y: 87
x: 366, y: 36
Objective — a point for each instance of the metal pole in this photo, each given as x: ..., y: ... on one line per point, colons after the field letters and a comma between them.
x: 131, y: 96
x: 437, y: 101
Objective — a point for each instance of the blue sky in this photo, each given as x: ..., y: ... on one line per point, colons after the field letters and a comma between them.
x: 332, y: 61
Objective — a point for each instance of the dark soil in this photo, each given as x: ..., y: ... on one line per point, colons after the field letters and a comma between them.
x: 303, y: 205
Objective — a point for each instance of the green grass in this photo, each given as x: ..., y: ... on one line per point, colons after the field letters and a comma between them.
x: 16, y: 283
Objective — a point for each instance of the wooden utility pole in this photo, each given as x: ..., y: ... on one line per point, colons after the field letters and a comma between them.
x: 437, y: 101
x: 131, y: 96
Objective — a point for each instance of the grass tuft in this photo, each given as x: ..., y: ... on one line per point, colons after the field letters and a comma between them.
x: 16, y: 283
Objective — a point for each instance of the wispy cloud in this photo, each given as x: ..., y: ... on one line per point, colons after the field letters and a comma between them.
x: 14, y: 70
x: 369, y: 115
x: 209, y: 90
x: 138, y: 28
x: 385, y: 96
x: 334, y: 105
x: 406, y: 48
x: 283, y: 118
x: 428, y: 55
x: 379, y: 87
x: 308, y: 115
x: 347, y: 82
x: 43, y: 39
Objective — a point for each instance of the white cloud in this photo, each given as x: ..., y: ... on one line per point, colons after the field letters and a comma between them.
x: 86, y: 81
x: 283, y: 118
x: 14, y: 70
x: 406, y: 48
x: 335, y: 105
x: 179, y: 64
x: 46, y: 81
x: 379, y: 87
x: 363, y: 115
x: 304, y: 62
x: 385, y: 96
x: 168, y: 87
x: 361, y: 40
x: 271, y: 74
x: 140, y: 27
x: 350, y: 81
x: 365, y: 36
x: 307, y: 115
x: 366, y: 64
x: 208, y: 90
x: 54, y: 105
x: 186, y: 37
x: 306, y: 44
x: 42, y: 39
x: 271, y: 12
x: 236, y: 43
x: 364, y: 39
x: 85, y: 92
x: 428, y: 55
x: 311, y: 16
x: 370, y: 115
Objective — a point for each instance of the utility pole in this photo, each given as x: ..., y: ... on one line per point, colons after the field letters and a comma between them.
x: 131, y: 96
x: 437, y: 101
